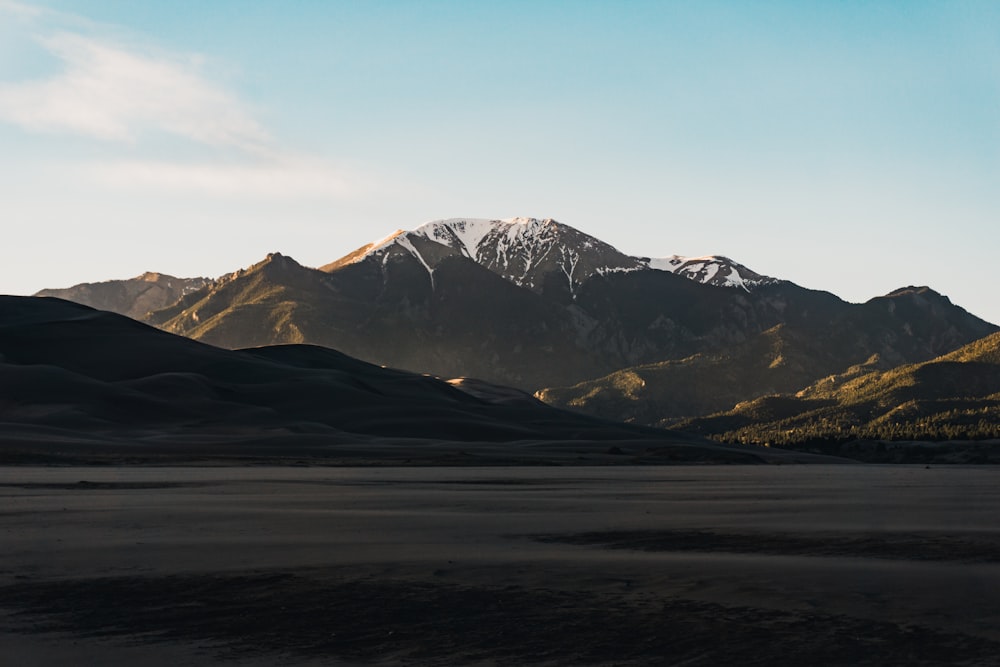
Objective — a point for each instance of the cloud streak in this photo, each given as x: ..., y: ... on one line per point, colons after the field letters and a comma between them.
x: 118, y: 91
x: 108, y: 92
x: 20, y: 9
x: 284, y: 177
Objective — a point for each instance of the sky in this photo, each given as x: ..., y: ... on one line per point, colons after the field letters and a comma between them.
x: 848, y: 146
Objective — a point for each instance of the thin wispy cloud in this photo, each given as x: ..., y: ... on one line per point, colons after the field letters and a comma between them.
x: 108, y: 92
x: 20, y: 9
x: 284, y: 177
x: 120, y: 90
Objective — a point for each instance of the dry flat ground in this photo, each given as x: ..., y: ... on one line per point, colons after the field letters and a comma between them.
x: 763, y: 565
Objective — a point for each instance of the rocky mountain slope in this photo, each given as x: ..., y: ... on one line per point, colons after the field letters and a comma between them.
x: 462, y: 319
x: 907, y: 325
x: 470, y: 322
x: 953, y: 397
x: 134, y: 297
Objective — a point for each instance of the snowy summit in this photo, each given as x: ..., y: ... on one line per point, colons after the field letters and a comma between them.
x: 528, y: 251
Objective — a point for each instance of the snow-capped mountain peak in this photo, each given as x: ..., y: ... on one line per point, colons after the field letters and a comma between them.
x: 527, y: 250
x: 711, y: 270
x: 532, y: 253
x: 463, y: 234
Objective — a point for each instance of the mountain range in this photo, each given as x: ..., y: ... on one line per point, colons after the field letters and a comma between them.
x: 83, y: 385
x: 544, y: 256
x: 910, y: 324
x: 543, y: 307
x: 953, y: 397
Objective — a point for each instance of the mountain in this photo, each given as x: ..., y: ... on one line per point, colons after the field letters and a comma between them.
x: 711, y: 270
x: 82, y: 384
x: 465, y: 320
x: 955, y: 396
x: 910, y: 324
x: 462, y: 319
x: 470, y: 322
x: 537, y: 304
x: 134, y: 297
x: 780, y: 359
x: 544, y: 256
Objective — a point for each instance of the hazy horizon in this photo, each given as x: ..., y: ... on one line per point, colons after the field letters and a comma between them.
x: 848, y: 147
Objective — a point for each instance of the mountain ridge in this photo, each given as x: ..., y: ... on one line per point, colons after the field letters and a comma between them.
x: 80, y: 384
x: 540, y: 306
x: 525, y: 250
x: 955, y: 396
x: 132, y: 297
x: 908, y: 325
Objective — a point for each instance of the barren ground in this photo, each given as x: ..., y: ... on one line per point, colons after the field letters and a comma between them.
x: 703, y: 565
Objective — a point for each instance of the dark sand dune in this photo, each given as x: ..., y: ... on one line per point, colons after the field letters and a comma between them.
x: 77, y: 384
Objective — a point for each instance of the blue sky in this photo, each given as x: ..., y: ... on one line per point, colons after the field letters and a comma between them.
x: 847, y: 146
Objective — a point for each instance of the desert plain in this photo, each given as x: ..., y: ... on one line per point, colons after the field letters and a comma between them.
x: 530, y: 565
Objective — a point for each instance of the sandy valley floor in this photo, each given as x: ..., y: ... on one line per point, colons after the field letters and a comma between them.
x: 705, y: 565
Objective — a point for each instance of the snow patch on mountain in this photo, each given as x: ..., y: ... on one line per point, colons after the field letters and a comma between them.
x: 463, y: 234
x: 711, y: 270
x: 526, y: 250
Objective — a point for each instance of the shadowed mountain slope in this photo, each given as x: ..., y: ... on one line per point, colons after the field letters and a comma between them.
x: 71, y: 374
x: 449, y: 315
x: 460, y: 318
x: 778, y: 360
x: 911, y: 324
x: 471, y: 322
